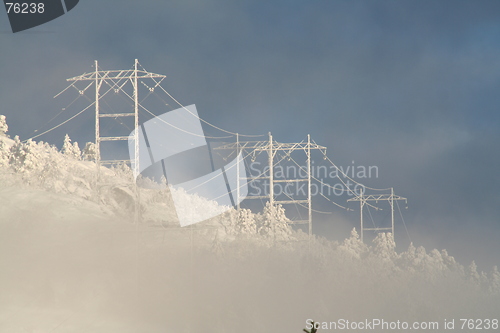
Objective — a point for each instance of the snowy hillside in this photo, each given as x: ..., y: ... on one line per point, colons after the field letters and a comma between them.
x: 72, y: 260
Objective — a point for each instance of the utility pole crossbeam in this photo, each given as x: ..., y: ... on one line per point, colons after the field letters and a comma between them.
x: 272, y: 147
x: 364, y: 199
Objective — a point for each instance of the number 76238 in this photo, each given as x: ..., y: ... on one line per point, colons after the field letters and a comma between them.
x: 25, y: 8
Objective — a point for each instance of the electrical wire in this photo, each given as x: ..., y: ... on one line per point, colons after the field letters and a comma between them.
x: 71, y: 85
x: 306, y: 207
x: 371, y: 217
x: 347, y: 189
x: 57, y: 115
x: 241, y: 186
x: 64, y: 122
x: 201, y: 119
x: 118, y: 86
x: 217, y: 175
x: 162, y: 120
x: 73, y: 117
x: 402, y: 219
x: 182, y: 130
x: 346, y: 176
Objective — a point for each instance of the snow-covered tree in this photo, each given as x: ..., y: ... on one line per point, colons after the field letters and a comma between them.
x: 4, y: 128
x: 76, y: 151
x: 123, y: 171
x: 4, y: 154
x: 385, y: 246
x: 472, y: 273
x: 89, y: 152
x: 495, y: 281
x: 449, y: 261
x: 71, y: 149
x: 24, y: 156
x: 272, y: 222
x: 4, y: 148
x: 353, y: 247
x: 246, y: 222
x: 407, y: 258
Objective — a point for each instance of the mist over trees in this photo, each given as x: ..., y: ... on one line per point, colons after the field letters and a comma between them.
x: 69, y: 246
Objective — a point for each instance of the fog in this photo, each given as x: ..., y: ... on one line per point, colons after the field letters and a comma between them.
x: 64, y: 271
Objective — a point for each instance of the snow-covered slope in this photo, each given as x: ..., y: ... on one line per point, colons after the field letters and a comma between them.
x: 72, y: 260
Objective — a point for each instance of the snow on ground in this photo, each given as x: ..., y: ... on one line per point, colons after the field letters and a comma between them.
x: 72, y: 260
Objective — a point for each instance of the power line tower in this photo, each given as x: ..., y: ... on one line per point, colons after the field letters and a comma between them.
x: 364, y: 199
x: 116, y: 81
x: 272, y: 148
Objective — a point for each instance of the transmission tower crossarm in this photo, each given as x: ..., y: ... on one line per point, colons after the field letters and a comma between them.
x: 291, y: 201
x: 116, y: 115
x: 264, y: 146
x: 115, y: 161
x: 291, y: 180
x: 257, y: 197
x: 377, y: 197
x: 116, y: 75
x: 113, y: 138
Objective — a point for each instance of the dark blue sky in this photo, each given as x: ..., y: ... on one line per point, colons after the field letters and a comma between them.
x: 408, y: 86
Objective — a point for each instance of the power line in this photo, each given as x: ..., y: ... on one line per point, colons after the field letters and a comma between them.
x: 332, y: 187
x: 206, y: 122
x: 116, y: 80
x: 358, y: 183
x: 64, y: 122
x: 402, y: 219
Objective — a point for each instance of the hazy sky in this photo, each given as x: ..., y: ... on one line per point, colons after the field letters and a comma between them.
x: 408, y: 86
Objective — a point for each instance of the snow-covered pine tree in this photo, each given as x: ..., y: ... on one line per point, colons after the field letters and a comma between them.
x: 4, y: 149
x: 17, y: 154
x: 71, y: 149
x: 4, y: 154
x: 495, y: 281
x: 449, y: 261
x: 385, y: 246
x: 76, y: 151
x: 24, y: 156
x: 272, y: 222
x: 67, y: 147
x: 407, y: 258
x: 246, y: 222
x: 472, y: 273
x: 4, y: 128
x: 89, y: 152
x: 353, y: 247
